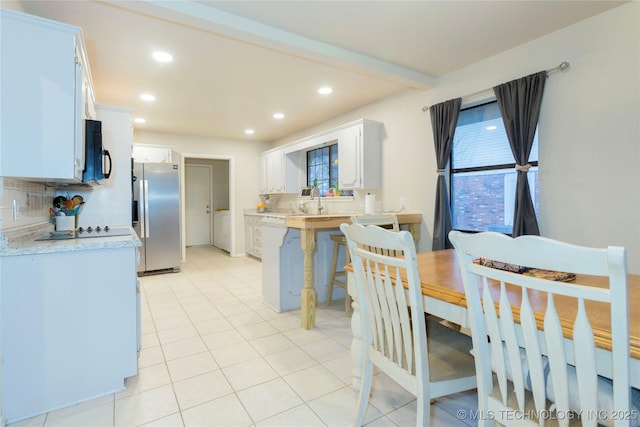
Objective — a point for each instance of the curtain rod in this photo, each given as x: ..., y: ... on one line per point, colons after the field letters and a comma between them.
x: 563, y: 66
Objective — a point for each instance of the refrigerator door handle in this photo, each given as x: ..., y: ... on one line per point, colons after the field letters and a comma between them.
x: 146, y: 208
x: 141, y: 199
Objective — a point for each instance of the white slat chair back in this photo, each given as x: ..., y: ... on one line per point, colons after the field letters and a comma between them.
x: 392, y: 317
x: 377, y: 219
x: 530, y: 355
x: 381, y: 220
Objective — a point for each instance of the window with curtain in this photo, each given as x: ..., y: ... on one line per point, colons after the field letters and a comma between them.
x: 483, y: 178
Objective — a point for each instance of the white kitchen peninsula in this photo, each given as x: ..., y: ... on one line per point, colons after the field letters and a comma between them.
x: 70, y: 321
x: 309, y: 225
x: 283, y: 263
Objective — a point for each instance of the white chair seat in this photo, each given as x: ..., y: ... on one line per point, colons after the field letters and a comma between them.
x: 449, y: 353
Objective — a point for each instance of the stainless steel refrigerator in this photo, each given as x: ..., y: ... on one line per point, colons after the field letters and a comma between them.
x: 156, y: 215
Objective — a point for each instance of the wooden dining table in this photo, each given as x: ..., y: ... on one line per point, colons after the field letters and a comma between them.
x: 444, y: 297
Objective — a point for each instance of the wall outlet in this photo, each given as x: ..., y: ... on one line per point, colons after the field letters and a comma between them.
x: 402, y: 202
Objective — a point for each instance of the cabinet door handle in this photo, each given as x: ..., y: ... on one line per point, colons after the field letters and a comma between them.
x: 85, y: 100
x: 106, y: 154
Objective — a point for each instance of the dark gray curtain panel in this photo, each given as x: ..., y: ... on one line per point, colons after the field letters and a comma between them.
x: 519, y: 101
x: 444, y: 117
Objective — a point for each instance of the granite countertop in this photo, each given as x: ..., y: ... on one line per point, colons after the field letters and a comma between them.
x: 23, y: 242
x: 279, y: 214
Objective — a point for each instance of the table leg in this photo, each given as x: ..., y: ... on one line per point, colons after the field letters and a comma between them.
x: 308, y: 296
x: 356, y: 332
x: 414, y: 229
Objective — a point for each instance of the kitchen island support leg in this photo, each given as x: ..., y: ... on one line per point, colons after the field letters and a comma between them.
x: 308, y: 296
x: 414, y: 229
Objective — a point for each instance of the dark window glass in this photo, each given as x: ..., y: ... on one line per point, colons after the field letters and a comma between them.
x: 322, y: 168
x: 483, y: 178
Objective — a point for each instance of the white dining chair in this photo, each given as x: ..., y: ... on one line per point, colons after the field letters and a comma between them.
x: 388, y: 221
x: 426, y: 358
x: 531, y: 367
x: 377, y: 219
x: 339, y: 278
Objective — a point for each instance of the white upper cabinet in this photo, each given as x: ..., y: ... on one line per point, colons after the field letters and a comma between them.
x: 143, y: 153
x: 88, y: 95
x: 278, y: 172
x: 283, y: 170
x: 46, y: 95
x: 263, y: 185
x: 360, y: 155
x: 275, y: 172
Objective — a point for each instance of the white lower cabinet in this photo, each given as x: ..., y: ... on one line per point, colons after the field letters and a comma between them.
x: 253, y: 235
x: 257, y: 240
x: 69, y: 328
x: 248, y: 234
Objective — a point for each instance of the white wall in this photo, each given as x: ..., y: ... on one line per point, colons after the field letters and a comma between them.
x: 219, y: 180
x: 243, y: 179
x: 110, y: 204
x: 589, y: 131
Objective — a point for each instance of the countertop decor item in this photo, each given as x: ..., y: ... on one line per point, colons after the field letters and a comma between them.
x: 65, y: 223
x: 67, y: 206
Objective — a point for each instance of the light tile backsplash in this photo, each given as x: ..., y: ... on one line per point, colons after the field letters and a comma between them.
x: 330, y: 205
x: 32, y: 201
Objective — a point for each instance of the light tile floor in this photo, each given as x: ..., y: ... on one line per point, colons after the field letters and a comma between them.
x: 214, y: 355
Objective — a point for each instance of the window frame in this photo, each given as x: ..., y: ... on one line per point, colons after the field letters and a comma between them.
x: 453, y: 171
x: 333, y: 154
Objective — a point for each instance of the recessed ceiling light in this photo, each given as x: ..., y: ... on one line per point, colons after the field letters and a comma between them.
x: 249, y: 131
x: 326, y: 90
x: 147, y: 97
x: 162, y: 56
x: 139, y: 120
x: 278, y: 116
x: 492, y: 127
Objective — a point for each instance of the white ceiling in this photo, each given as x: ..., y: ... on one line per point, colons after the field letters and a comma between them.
x: 238, y: 62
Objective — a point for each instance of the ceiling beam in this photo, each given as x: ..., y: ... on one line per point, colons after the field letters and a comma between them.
x: 210, y: 19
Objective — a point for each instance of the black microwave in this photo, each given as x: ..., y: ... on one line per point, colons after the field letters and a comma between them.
x: 95, y: 155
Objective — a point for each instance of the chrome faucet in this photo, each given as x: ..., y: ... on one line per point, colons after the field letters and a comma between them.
x: 315, y: 192
x: 302, y: 207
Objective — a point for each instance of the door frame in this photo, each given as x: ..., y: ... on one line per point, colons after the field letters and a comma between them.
x: 210, y: 206
x: 232, y: 197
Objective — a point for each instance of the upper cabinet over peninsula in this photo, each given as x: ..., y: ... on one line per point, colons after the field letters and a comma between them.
x: 47, y: 92
x: 360, y: 155
x: 283, y: 169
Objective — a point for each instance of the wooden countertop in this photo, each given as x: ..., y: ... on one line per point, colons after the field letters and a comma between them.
x: 307, y: 222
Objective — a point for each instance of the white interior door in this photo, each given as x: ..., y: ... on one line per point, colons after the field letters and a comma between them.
x: 198, y: 204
